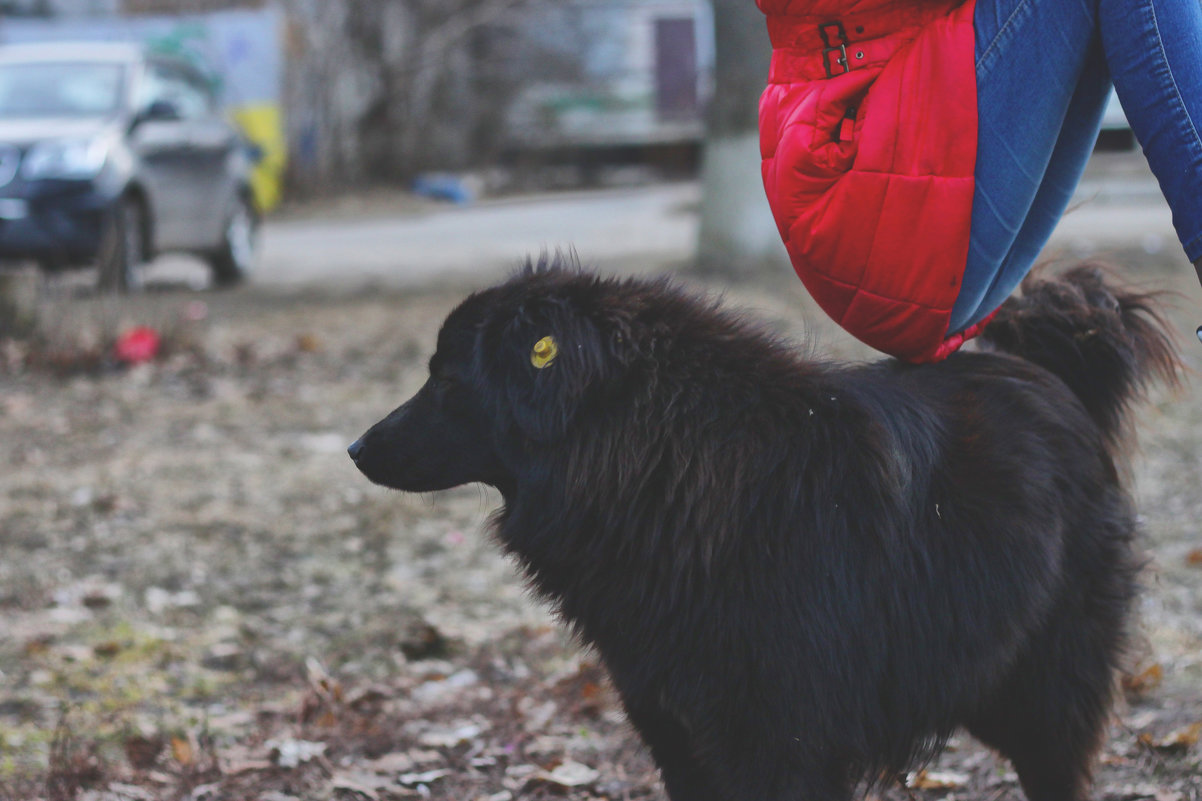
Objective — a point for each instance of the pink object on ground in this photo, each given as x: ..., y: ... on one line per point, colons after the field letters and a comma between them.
x: 137, y: 345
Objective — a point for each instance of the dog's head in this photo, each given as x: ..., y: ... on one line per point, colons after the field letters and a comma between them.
x: 513, y: 369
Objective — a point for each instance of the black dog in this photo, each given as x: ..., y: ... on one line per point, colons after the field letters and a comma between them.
x: 804, y: 576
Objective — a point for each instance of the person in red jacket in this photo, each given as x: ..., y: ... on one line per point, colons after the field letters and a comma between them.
x: 918, y: 155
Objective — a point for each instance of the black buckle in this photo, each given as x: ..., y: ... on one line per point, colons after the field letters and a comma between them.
x: 840, y: 47
x: 826, y: 39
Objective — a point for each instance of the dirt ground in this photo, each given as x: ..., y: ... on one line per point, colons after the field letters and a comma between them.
x: 200, y: 598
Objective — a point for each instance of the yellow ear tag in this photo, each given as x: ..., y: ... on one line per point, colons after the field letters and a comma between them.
x: 545, y: 351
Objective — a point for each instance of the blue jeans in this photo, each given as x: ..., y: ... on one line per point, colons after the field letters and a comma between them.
x: 1044, y: 71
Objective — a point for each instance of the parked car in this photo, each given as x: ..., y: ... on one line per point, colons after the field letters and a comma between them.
x: 110, y: 155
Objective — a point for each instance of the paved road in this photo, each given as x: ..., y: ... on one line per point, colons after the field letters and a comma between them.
x: 486, y: 240
x: 1118, y: 206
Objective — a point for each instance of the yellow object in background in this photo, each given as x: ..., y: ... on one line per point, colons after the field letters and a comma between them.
x: 263, y: 125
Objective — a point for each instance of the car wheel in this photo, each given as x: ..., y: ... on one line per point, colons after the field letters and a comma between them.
x: 234, y: 260
x: 123, y: 247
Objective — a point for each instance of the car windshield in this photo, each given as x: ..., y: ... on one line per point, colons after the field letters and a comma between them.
x: 60, y: 89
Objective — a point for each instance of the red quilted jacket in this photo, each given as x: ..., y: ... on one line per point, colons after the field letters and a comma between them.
x: 868, y: 131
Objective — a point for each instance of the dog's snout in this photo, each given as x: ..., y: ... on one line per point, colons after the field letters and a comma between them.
x: 355, y: 449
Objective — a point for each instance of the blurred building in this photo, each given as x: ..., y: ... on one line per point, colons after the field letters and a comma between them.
x: 63, y: 8
x: 641, y: 77
x: 341, y: 92
x: 377, y: 90
x: 99, y: 8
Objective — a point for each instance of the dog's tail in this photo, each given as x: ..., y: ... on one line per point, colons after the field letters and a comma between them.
x: 1106, y: 342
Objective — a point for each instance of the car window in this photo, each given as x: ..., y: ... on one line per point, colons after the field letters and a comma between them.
x: 169, y: 83
x: 202, y: 88
x: 55, y: 89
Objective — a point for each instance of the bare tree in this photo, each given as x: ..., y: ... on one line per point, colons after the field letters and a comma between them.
x: 737, y: 234
x: 382, y: 89
x: 440, y: 85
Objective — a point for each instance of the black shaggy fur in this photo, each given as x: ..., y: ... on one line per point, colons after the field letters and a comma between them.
x: 804, y: 576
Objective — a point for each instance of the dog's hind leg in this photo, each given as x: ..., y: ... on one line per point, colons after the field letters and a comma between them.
x: 1053, y: 760
x: 1049, y: 716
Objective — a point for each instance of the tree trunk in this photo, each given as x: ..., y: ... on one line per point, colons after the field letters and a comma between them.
x: 18, y: 301
x: 738, y: 236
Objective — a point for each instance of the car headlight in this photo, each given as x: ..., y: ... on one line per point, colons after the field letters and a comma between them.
x: 71, y: 159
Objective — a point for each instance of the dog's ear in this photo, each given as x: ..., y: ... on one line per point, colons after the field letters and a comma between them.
x: 548, y: 359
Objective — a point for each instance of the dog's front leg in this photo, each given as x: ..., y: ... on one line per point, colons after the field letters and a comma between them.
x: 685, y: 777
